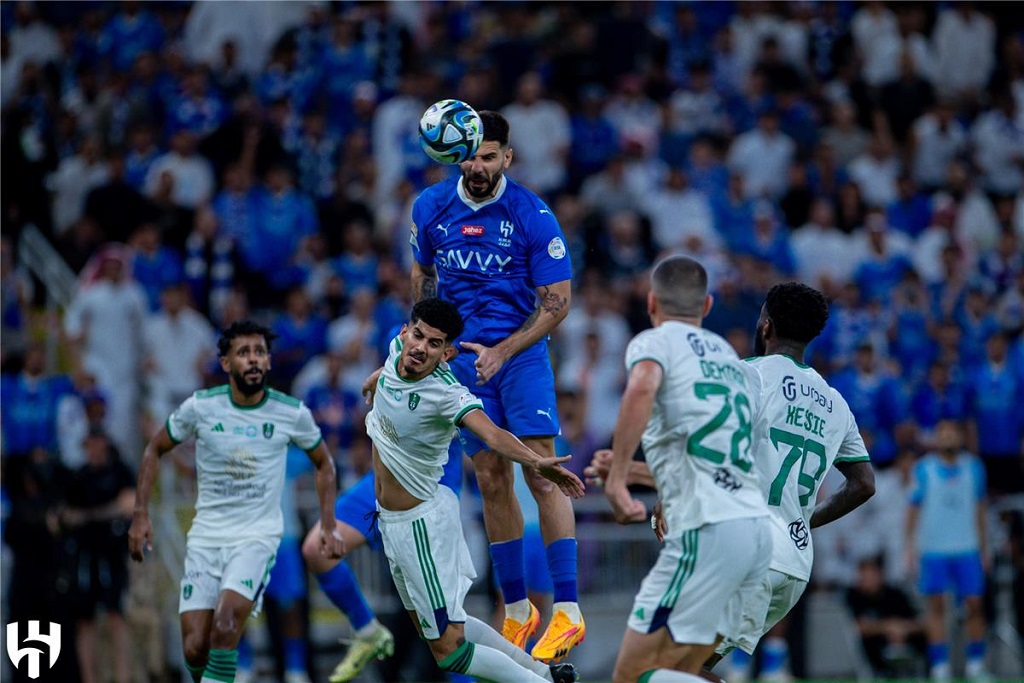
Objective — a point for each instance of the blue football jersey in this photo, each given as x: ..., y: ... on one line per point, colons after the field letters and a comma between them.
x: 490, y: 257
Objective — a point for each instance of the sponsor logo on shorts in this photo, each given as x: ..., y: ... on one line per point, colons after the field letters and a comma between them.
x: 639, y: 613
x: 247, y: 583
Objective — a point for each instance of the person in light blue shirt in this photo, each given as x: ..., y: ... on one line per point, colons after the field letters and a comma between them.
x: 495, y: 250
x: 947, y: 544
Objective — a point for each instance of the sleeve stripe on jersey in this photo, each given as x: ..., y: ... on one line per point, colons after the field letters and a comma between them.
x: 213, y: 391
x: 283, y: 398
x: 462, y: 413
x: 854, y: 458
x: 167, y: 426
x: 445, y: 376
x: 314, y: 446
x: 653, y: 360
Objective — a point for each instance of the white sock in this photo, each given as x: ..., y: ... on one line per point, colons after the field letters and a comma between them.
x: 365, y: 632
x: 518, y: 610
x: 571, y: 609
x: 670, y: 676
x: 493, y: 665
x: 481, y: 634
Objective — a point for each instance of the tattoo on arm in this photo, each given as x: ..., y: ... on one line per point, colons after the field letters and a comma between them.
x: 428, y: 288
x: 552, y: 303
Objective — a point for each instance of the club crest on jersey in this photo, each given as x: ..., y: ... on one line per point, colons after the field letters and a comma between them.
x: 414, y: 400
x: 473, y: 230
x: 268, y: 430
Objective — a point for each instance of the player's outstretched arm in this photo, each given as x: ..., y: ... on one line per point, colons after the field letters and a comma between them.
x: 140, y: 534
x: 507, y: 445
x: 855, y: 491
x: 370, y: 385
x: 552, y: 307
x: 325, y: 480
x: 637, y: 403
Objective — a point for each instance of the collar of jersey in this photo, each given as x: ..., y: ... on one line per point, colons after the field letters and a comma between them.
x: 474, y: 206
x: 266, y: 397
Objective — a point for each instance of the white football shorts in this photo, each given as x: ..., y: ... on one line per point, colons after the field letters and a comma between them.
x: 243, y: 568
x: 763, y: 608
x: 429, y: 560
x: 696, y: 587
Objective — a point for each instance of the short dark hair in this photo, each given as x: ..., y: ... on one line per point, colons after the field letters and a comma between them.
x: 243, y: 328
x: 495, y: 127
x: 439, y: 314
x: 680, y: 285
x: 797, y: 312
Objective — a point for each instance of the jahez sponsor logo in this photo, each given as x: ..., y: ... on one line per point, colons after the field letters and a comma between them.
x: 473, y: 230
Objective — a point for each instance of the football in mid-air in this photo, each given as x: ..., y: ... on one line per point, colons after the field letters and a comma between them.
x: 450, y: 131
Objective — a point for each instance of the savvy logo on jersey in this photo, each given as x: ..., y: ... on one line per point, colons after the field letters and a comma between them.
x: 33, y: 654
x: 454, y: 259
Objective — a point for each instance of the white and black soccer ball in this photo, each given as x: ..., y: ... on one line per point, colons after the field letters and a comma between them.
x: 450, y: 131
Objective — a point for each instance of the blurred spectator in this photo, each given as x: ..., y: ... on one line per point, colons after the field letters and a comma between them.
x: 696, y: 109
x: 599, y: 379
x: 998, y: 138
x: 353, y: 336
x: 142, y: 153
x: 317, y: 155
x: 154, y: 266
x: 209, y: 264
x: 100, y: 496
x: 820, y: 250
x: 634, y: 115
x: 395, y: 146
x: 910, y: 343
x: 180, y: 177
x: 937, y: 138
x: 300, y: 334
x: 678, y: 213
x: 795, y: 204
x: 888, y: 624
x: 357, y: 264
x: 964, y: 44
x: 29, y: 406
x: 947, y: 543
x: 78, y: 413
x: 977, y: 321
x: 911, y: 212
x: 905, y: 98
x: 628, y: 250
x: 937, y: 398
x: 594, y: 312
x: 871, y: 24
x: 769, y: 242
x: 16, y: 289
x: 338, y: 411
x: 734, y: 212
x: 116, y: 206
x: 608, y: 192
x: 882, y: 255
x: 876, y: 172
x: 882, y: 60
x: 705, y: 170
x: 130, y: 32
x: 104, y: 324
x: 178, y: 344
x: 72, y: 181
x: 542, y: 137
x: 31, y: 40
x: 762, y: 157
x: 877, y: 401
x: 346, y: 62
x: 995, y: 402
x: 195, y: 108
x: 977, y: 226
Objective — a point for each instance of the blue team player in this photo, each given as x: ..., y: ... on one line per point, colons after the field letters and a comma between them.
x: 946, y: 534
x: 496, y: 251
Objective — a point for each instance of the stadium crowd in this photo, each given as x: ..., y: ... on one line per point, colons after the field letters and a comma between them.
x: 195, y: 163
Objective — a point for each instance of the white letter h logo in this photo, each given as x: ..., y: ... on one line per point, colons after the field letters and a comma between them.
x: 52, y: 641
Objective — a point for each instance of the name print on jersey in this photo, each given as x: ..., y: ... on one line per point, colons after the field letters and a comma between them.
x: 789, y: 389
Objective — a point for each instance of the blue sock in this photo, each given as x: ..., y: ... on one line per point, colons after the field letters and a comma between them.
x: 562, y: 565
x: 510, y: 569
x: 976, y: 649
x: 774, y: 652
x: 294, y: 654
x: 339, y: 584
x: 245, y: 654
x: 938, y: 653
x: 740, y: 660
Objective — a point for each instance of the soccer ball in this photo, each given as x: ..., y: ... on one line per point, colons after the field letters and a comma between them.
x: 450, y: 131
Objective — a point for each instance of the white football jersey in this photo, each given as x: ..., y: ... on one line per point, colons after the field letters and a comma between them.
x: 802, y: 427
x: 241, y: 453
x: 697, y: 442
x: 413, y: 422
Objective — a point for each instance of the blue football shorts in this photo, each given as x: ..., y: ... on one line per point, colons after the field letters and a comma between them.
x: 961, y: 573
x: 519, y: 398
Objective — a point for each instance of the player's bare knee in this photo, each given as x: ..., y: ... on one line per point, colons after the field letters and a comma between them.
x: 495, y: 480
x: 225, y: 631
x: 195, y: 649
x: 538, y: 484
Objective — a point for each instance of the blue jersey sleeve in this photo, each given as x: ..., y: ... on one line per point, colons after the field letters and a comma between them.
x: 548, y: 255
x: 422, y: 249
x: 980, y: 478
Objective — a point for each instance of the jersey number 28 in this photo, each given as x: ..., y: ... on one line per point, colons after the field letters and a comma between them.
x: 739, y: 449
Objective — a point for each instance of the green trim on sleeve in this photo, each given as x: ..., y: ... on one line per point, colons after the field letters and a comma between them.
x: 167, y: 426
x: 462, y: 413
x: 653, y: 360
x: 313, y: 447
x: 854, y: 458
